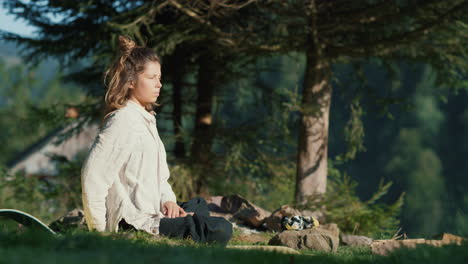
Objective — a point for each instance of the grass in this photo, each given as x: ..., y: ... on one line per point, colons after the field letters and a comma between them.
x: 90, y: 247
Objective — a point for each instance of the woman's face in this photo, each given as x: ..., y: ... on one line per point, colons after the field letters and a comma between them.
x: 147, y: 86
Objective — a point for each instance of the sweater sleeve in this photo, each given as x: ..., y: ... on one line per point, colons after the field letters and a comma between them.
x: 108, y: 154
x: 166, y: 191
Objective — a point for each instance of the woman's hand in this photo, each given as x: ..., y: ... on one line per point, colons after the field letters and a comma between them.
x: 172, y: 210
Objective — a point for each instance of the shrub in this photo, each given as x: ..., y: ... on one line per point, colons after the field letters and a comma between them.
x: 343, y: 207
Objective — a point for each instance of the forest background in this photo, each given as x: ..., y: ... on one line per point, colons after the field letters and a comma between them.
x: 414, y: 137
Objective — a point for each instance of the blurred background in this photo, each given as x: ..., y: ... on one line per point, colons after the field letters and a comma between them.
x: 230, y: 118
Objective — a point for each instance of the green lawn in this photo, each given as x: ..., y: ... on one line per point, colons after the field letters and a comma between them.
x: 84, y: 247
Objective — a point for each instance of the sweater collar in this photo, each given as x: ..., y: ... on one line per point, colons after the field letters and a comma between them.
x: 149, y: 116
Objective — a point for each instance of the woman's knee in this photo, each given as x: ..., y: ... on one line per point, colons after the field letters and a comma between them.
x: 199, y: 200
x: 223, y: 233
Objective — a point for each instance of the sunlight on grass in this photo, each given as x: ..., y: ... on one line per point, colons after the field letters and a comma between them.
x: 23, y: 246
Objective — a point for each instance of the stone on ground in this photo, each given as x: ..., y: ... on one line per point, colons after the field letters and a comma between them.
x: 238, y: 209
x: 273, y: 222
x: 384, y: 247
x: 314, y: 238
x: 279, y: 249
x: 355, y: 241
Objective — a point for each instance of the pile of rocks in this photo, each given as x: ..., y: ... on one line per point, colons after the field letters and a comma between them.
x: 384, y: 247
x: 250, y: 218
x: 239, y: 210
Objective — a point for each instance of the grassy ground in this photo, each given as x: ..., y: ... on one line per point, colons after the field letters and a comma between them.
x: 85, y: 247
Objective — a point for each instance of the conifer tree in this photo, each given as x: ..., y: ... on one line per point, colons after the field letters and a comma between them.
x: 429, y: 31
x: 327, y: 32
x: 88, y: 30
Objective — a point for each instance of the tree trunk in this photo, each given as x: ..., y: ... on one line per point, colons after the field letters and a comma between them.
x: 311, y: 177
x: 201, y: 147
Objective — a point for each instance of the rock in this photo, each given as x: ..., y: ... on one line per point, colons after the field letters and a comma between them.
x: 355, y: 241
x: 332, y: 227
x: 273, y: 222
x: 214, y: 204
x: 244, y: 211
x: 72, y: 220
x: 314, y: 238
x: 449, y: 238
x: 244, y: 229
x: 226, y: 216
x: 319, y: 215
x: 251, y: 216
x: 236, y: 205
x: 279, y: 249
x: 384, y: 247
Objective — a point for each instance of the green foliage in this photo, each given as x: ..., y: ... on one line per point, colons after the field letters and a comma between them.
x: 27, y: 247
x: 46, y: 197
x: 181, y: 181
x: 353, y: 133
x: 416, y: 166
x: 65, y: 187
x: 461, y: 219
x: 31, y: 106
x: 342, y: 206
x: 431, y: 31
x: 21, y: 192
x: 255, y: 139
x: 263, y: 181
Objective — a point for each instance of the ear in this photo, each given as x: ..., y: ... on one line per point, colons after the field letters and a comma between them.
x: 130, y: 85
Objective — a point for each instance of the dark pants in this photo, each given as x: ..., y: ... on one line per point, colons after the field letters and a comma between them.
x: 201, y: 227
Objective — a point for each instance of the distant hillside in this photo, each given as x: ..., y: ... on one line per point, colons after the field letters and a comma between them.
x: 10, y: 54
x: 8, y: 49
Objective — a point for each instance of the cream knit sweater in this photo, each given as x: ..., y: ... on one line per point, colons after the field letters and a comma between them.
x: 125, y: 173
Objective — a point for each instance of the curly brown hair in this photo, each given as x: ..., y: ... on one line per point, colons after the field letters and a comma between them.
x: 129, y: 63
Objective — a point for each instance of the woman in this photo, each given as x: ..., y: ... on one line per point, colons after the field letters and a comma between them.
x: 124, y: 177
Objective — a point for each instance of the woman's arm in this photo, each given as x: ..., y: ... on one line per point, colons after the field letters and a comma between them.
x: 108, y: 154
x: 166, y: 190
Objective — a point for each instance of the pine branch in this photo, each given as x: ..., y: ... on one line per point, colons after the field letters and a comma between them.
x: 349, y: 17
x: 393, y: 43
x: 147, y: 15
x: 243, y: 40
x: 378, y: 21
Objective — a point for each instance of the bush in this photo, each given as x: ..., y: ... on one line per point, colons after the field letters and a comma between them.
x: 45, y: 197
x: 26, y: 193
x: 354, y: 216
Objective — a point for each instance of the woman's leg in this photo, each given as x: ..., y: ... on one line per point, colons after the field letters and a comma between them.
x: 201, y: 227
x: 198, y: 227
x: 197, y: 205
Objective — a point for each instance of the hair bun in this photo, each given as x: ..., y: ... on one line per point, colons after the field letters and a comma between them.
x: 126, y: 44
